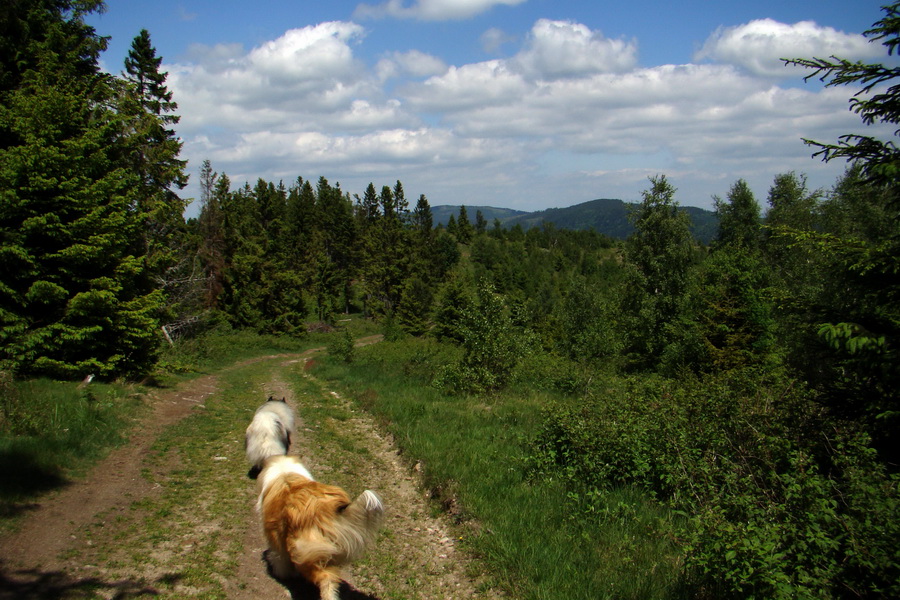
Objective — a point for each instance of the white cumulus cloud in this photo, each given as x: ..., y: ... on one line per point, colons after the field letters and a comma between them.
x: 414, y: 63
x: 290, y: 81
x: 565, y: 48
x: 759, y: 45
x: 430, y: 10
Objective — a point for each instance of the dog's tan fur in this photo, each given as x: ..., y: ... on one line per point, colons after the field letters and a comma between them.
x: 313, y: 528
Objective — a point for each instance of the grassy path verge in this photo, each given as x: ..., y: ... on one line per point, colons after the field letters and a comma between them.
x: 169, y: 515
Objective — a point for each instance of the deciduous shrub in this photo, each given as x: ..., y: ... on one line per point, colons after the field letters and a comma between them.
x: 781, y: 500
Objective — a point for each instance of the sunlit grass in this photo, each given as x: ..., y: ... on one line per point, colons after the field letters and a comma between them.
x: 537, y: 540
x: 53, y: 431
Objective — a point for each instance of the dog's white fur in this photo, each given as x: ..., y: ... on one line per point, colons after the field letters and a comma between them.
x: 312, y: 528
x: 269, y: 434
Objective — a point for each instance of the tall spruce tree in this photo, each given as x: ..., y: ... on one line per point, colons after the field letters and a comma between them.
x: 660, y: 254
x: 74, y: 295
x: 214, y: 191
x: 386, y: 254
x: 152, y: 152
x: 422, y: 219
x: 368, y: 207
x: 299, y: 226
x: 739, y: 217
x: 154, y: 148
x: 464, y: 230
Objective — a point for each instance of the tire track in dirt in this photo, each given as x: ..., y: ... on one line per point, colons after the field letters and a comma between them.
x: 51, y: 527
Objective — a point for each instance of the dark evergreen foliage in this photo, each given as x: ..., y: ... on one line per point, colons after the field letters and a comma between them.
x: 76, y: 297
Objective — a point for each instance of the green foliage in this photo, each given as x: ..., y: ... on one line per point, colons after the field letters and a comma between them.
x: 414, y: 309
x: 590, y: 331
x: 492, y: 346
x: 739, y: 218
x: 855, y: 316
x: 659, y: 256
x: 386, y: 257
x: 75, y: 296
x: 454, y: 300
x: 780, y: 501
x: 341, y: 346
x: 726, y: 319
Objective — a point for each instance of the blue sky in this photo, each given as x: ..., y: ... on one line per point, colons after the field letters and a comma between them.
x: 526, y: 104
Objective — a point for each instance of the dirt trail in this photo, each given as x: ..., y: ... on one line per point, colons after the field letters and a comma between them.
x: 45, y: 558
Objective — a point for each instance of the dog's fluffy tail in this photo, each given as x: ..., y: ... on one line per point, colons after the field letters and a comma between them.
x: 318, y: 557
x: 357, y: 524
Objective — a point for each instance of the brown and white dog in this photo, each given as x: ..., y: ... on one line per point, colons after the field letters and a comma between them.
x: 313, y: 529
x: 269, y: 434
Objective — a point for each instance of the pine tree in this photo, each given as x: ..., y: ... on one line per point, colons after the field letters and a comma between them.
x: 739, y: 217
x: 335, y: 248
x: 792, y: 208
x: 400, y: 203
x: 153, y: 153
x: 480, y: 222
x: 300, y: 224
x: 243, y: 296
x: 75, y: 298
x: 154, y: 147
x: 214, y: 191
x: 660, y: 254
x: 423, y: 220
x: 369, y: 210
x: 464, y: 230
x: 386, y: 262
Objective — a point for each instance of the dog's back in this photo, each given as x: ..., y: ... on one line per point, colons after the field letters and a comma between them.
x: 269, y: 434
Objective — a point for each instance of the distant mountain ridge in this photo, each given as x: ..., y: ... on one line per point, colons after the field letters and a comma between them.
x: 608, y: 216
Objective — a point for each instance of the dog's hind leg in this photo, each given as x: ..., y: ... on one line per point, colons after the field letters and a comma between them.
x: 327, y: 579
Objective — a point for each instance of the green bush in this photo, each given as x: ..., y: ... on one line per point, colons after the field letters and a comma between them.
x: 551, y: 372
x: 492, y: 347
x: 781, y: 501
x: 341, y: 346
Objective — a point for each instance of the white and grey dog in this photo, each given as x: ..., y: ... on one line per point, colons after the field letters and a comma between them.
x: 269, y: 434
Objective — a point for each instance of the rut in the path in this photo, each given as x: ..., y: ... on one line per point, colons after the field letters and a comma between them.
x: 53, y: 522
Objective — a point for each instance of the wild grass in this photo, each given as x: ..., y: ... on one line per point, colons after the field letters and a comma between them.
x: 54, y: 431
x: 51, y: 431
x: 533, y: 535
x: 223, y: 346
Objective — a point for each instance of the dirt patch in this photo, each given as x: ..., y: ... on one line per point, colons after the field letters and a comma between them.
x: 52, y: 555
x: 53, y: 524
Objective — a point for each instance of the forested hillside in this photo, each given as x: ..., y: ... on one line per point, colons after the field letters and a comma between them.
x: 750, y: 384
x: 606, y: 216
